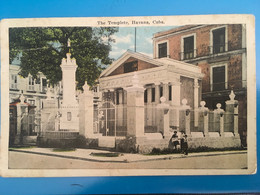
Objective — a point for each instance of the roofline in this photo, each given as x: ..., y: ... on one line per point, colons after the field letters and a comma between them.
x: 165, y: 34
x: 128, y: 53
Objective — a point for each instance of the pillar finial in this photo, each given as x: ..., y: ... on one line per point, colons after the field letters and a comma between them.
x: 232, y: 95
x: 22, y: 98
x: 86, y: 87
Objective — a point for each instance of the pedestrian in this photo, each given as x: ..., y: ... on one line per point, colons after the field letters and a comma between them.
x: 185, y: 145
x: 181, y: 140
x: 174, y: 140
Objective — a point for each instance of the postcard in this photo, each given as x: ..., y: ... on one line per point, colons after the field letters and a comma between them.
x: 124, y: 96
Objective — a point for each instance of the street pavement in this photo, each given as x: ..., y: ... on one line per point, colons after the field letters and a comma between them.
x: 83, y: 158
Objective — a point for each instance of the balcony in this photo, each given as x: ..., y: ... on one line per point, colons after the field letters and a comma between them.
x: 218, y: 48
x: 187, y: 55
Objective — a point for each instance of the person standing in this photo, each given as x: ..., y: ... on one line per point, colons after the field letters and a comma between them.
x: 185, y: 145
x: 175, y: 140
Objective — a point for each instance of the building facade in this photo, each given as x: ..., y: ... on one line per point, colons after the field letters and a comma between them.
x: 220, y: 52
x: 26, y: 97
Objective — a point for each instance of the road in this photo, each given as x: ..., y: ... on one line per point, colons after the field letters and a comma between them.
x: 18, y: 160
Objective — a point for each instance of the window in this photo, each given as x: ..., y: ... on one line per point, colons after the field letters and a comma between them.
x: 170, y: 92
x: 130, y: 66
x: 31, y: 102
x: 219, y: 41
x: 153, y: 94
x: 31, y: 84
x: 188, y: 47
x: 13, y: 81
x: 162, y: 50
x: 218, y: 78
x: 145, y: 96
x: 44, y: 85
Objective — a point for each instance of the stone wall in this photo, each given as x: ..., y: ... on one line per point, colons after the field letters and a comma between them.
x: 145, y: 146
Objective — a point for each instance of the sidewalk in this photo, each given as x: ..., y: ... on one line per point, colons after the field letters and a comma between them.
x: 85, y: 154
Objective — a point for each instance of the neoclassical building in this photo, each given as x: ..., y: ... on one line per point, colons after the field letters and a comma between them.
x: 172, y: 79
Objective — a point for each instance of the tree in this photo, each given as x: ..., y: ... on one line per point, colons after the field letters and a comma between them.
x: 42, y: 50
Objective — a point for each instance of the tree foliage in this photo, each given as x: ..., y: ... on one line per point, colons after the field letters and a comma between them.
x: 42, y: 50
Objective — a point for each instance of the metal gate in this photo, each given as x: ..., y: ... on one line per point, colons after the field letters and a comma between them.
x: 106, y: 118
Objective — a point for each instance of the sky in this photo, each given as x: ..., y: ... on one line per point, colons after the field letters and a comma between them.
x: 125, y: 39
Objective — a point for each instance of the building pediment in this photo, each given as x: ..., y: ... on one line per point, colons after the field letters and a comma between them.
x: 130, y: 62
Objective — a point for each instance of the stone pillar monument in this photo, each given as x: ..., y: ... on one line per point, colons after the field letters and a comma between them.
x: 135, y: 108
x: 69, y: 109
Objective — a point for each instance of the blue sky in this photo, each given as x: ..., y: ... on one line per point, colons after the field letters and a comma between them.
x: 125, y: 40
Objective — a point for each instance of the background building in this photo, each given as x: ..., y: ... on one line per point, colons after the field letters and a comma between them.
x: 220, y: 52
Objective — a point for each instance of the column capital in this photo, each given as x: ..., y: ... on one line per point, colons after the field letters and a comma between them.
x: 196, y: 83
x: 157, y: 83
x: 165, y: 82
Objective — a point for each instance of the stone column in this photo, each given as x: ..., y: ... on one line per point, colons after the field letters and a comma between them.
x: 135, y: 108
x: 196, y: 101
x: 86, y: 112
x: 176, y: 100
x: 166, y: 90
x: 204, y: 112
x: 166, y: 117
x: 157, y: 92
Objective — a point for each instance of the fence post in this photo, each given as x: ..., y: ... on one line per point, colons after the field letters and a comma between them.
x: 166, y: 116
x: 204, y: 111
x: 135, y: 108
x: 86, y: 112
x: 232, y: 109
x: 186, y: 108
x: 220, y: 113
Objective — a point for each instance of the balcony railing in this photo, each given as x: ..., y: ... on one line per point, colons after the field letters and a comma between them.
x: 233, y: 84
x: 186, y: 55
x: 218, y: 48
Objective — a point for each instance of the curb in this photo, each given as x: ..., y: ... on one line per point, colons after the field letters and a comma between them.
x: 127, y: 161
